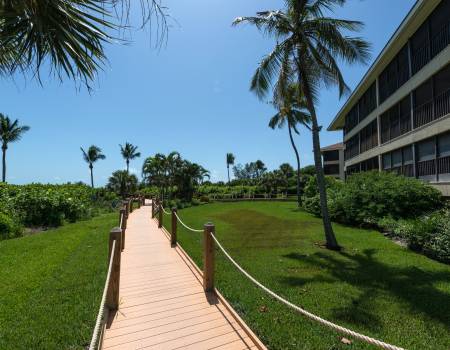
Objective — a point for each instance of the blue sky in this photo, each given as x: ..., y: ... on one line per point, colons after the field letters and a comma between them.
x: 192, y: 96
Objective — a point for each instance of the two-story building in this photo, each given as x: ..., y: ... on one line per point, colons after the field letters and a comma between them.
x: 398, y: 117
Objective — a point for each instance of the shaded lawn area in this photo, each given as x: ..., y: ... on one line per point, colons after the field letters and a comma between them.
x: 51, y: 285
x: 373, y: 286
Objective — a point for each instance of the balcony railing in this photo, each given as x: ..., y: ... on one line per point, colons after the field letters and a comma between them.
x: 444, y: 165
x: 442, y: 104
x: 440, y: 41
x: 423, y: 114
x: 420, y: 57
x: 426, y: 168
x: 408, y: 170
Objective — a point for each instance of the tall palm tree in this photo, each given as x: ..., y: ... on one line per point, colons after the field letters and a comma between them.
x: 292, y: 113
x: 260, y: 168
x: 93, y: 154
x: 129, y: 152
x: 9, y: 132
x: 230, y: 161
x: 314, y: 43
x: 122, y: 183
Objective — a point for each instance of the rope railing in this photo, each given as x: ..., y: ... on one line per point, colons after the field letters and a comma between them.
x: 101, y: 317
x: 302, y: 311
x: 186, y: 226
x: 164, y: 210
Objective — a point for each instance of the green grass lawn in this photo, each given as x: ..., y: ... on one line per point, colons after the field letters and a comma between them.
x: 373, y: 286
x: 51, y: 285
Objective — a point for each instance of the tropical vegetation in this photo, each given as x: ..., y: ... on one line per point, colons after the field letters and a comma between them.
x: 230, y: 161
x: 10, y: 131
x: 30, y: 208
x: 310, y: 44
x: 122, y: 183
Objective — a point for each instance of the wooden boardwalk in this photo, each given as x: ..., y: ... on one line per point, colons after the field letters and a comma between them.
x: 162, y: 302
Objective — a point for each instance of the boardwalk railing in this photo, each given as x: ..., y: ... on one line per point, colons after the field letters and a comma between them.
x: 209, y: 246
x: 110, y: 297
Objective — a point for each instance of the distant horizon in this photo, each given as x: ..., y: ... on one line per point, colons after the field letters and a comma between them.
x: 192, y: 96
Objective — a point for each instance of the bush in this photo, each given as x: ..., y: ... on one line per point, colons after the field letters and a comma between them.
x: 9, y: 228
x: 429, y: 234
x: 367, y: 197
x: 51, y: 205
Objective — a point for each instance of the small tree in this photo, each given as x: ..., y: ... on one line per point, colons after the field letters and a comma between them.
x: 9, y: 132
x: 92, y: 155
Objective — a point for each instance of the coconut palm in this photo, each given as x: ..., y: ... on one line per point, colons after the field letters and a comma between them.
x: 129, y: 152
x: 10, y: 131
x: 292, y: 113
x: 230, y: 161
x: 314, y: 43
x: 92, y: 155
x: 68, y: 34
x: 260, y: 168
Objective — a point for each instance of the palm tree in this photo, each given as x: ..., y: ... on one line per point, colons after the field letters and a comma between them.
x: 122, y: 183
x: 230, y: 161
x: 292, y: 113
x: 313, y: 43
x: 68, y: 34
x: 129, y: 152
x: 260, y: 168
x: 93, y: 154
x: 9, y: 132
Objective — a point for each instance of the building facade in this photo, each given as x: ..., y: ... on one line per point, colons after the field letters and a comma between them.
x: 398, y: 117
x: 333, y: 160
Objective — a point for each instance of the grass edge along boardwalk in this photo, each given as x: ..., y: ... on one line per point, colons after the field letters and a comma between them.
x: 374, y: 286
x: 162, y: 303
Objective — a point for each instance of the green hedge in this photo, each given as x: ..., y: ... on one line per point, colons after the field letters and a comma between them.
x: 48, y: 205
x: 367, y: 197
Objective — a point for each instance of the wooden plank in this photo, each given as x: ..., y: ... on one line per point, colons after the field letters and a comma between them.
x: 162, y: 301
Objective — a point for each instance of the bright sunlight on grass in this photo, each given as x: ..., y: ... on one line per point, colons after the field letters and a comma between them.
x: 51, y: 285
x: 373, y: 286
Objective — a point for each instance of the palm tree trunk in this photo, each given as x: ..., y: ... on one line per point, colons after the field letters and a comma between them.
x: 329, y: 234
x: 92, y: 175
x: 299, y: 200
x: 128, y: 166
x: 228, y: 169
x: 4, y: 164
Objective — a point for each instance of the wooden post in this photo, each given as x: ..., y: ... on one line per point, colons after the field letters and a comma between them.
x: 112, y: 297
x: 160, y: 215
x: 125, y: 205
x: 208, y: 257
x: 153, y: 208
x: 130, y: 204
x: 173, y: 236
x: 124, y: 226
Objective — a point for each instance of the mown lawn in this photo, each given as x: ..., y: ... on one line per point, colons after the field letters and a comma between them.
x: 51, y: 285
x: 373, y: 286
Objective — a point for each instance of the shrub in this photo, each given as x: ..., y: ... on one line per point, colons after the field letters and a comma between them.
x: 9, y: 228
x: 204, y: 199
x: 429, y: 234
x: 367, y: 197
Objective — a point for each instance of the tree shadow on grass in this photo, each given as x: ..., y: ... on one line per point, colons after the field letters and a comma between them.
x: 409, y: 284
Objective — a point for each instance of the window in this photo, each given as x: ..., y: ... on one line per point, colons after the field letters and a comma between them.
x: 368, y: 102
x: 352, y: 147
x: 425, y: 150
x: 423, y: 104
x: 440, y: 27
x: 397, y: 158
x: 420, y: 48
x: 331, y: 169
x: 351, y: 120
x: 370, y: 164
x: 369, y: 136
x: 408, y: 157
x: 444, y: 145
x: 330, y: 156
x: 387, y: 164
x: 442, y: 92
